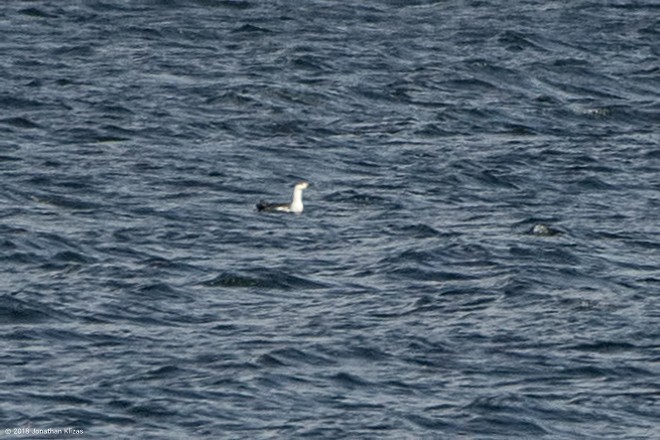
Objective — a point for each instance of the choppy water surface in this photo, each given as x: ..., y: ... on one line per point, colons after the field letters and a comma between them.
x: 142, y: 295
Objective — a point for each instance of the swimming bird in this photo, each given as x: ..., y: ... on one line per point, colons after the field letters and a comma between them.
x: 296, y: 205
x: 541, y: 229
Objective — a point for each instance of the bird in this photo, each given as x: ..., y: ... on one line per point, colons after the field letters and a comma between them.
x: 296, y: 205
x: 541, y: 229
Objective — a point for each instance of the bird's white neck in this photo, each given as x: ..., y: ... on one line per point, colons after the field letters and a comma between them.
x: 296, y: 203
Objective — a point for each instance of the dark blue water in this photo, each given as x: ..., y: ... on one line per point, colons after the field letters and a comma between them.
x: 142, y: 295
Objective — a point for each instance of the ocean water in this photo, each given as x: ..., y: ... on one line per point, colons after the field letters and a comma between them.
x: 143, y: 296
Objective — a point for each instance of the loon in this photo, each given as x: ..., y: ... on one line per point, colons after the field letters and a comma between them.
x: 296, y: 205
x: 541, y: 229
